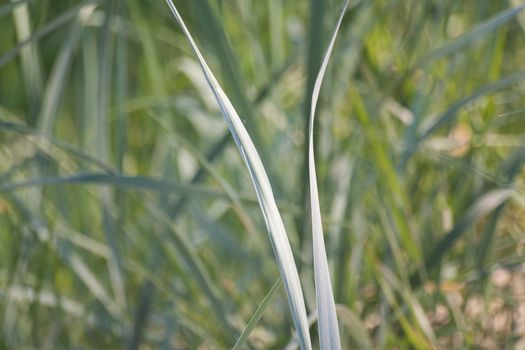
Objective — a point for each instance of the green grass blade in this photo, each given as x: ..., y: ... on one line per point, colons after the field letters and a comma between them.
x: 511, y: 167
x: 103, y: 94
x: 120, y: 181
x: 257, y: 315
x: 327, y: 317
x: 57, y: 81
x: 43, y: 140
x: 264, y: 192
x: 210, y: 26
x: 177, y: 246
x: 357, y: 330
x: 480, y: 208
x: 30, y: 57
x: 419, y: 320
x: 45, y: 30
x: 73, y: 260
x: 413, y: 338
x: 414, y: 331
x: 467, y: 39
x: 452, y: 112
x: 121, y: 87
x: 395, y: 197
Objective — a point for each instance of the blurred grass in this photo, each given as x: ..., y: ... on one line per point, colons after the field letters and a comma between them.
x: 128, y: 220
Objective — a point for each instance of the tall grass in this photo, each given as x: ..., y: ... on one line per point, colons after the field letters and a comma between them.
x: 128, y: 219
x: 263, y: 189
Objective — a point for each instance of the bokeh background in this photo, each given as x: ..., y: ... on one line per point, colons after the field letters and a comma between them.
x: 127, y: 216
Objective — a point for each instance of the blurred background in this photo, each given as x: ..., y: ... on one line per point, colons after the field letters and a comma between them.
x: 128, y: 218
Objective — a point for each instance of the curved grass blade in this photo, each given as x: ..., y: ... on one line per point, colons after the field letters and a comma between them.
x: 355, y: 326
x: 451, y: 113
x: 483, y: 206
x: 313, y: 64
x: 327, y: 317
x: 176, y: 246
x: 43, y: 142
x: 469, y: 38
x: 511, y: 168
x: 264, y: 193
x: 69, y: 256
x: 136, y: 182
x: 257, y: 315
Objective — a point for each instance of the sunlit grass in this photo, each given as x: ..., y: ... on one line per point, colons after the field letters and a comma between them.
x: 128, y: 218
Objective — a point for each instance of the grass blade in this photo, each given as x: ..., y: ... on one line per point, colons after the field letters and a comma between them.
x: 209, y: 23
x: 70, y: 257
x: 467, y: 39
x: 327, y: 317
x: 56, y: 84
x: 315, y: 39
x: 44, y: 142
x: 452, y: 112
x: 175, y: 246
x: 45, y: 30
x: 30, y: 57
x: 257, y: 315
x: 355, y: 327
x: 264, y: 192
x: 104, y: 80
x: 512, y: 166
x: 120, y: 181
x: 483, y: 206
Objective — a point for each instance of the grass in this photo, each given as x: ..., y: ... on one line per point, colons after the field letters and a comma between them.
x: 128, y: 218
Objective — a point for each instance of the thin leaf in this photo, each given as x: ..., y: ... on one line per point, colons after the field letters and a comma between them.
x: 265, y: 196
x: 420, y: 321
x: 483, y: 206
x: 57, y: 81
x: 209, y: 24
x: 467, y: 39
x: 48, y: 28
x: 451, y: 113
x: 315, y: 48
x: 257, y: 315
x: 327, y: 317
x: 355, y: 327
x: 412, y: 334
x: 121, y: 181
x: 111, y: 228
x: 176, y: 246
x: 511, y: 168
x: 42, y: 141
x: 29, y: 56
x: 73, y: 260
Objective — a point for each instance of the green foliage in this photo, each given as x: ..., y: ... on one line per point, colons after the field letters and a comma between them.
x: 128, y: 219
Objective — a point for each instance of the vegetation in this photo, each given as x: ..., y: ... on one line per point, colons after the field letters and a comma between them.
x: 129, y: 219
